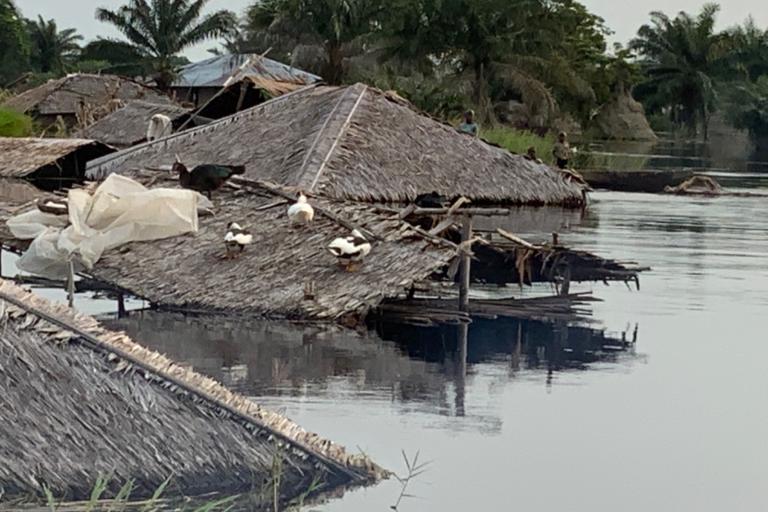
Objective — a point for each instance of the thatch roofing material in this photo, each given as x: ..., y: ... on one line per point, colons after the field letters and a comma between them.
x: 24, y: 156
x: 82, y: 409
x: 269, y: 279
x: 62, y: 96
x: 215, y: 71
x: 128, y: 126
x: 355, y: 143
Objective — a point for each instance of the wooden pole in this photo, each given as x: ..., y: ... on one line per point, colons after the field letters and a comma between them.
x: 565, y: 286
x: 241, y: 98
x: 121, y: 306
x: 465, y: 266
x: 71, y: 284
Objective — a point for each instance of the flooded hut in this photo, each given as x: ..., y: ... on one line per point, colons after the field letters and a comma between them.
x: 225, y: 84
x: 287, y: 272
x: 48, y: 163
x: 356, y: 143
x: 75, y: 96
x: 88, y: 402
x: 127, y: 126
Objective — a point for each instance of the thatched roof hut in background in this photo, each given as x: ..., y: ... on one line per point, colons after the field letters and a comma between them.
x: 83, y: 402
x: 247, y: 79
x: 127, y: 126
x: 48, y: 163
x: 355, y: 143
x: 63, y: 97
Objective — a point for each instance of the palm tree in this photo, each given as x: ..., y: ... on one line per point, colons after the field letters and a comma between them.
x: 338, y: 27
x: 682, y: 57
x: 52, y: 50
x: 14, y: 43
x: 161, y: 29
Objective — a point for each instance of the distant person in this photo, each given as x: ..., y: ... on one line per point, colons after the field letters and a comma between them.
x: 469, y: 126
x: 530, y: 154
x: 562, y: 151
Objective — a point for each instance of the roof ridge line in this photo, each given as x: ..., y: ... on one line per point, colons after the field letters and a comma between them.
x: 320, y: 133
x: 342, y: 132
x: 95, y: 165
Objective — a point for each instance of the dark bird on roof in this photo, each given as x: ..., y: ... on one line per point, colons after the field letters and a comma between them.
x: 205, y: 178
x: 431, y: 200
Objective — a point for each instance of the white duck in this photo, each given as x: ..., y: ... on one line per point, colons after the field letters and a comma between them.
x: 236, y: 237
x: 301, y: 212
x: 351, y: 249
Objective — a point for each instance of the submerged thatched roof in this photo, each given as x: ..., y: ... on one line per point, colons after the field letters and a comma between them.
x: 271, y: 276
x: 83, y: 402
x: 355, y: 143
x: 128, y: 126
x: 21, y: 157
x: 63, y: 96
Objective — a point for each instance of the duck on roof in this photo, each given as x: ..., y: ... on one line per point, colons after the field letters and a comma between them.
x: 356, y: 143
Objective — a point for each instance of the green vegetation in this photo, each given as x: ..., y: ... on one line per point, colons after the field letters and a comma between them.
x: 525, y: 64
x: 159, y: 30
x: 518, y: 141
x: 14, y: 124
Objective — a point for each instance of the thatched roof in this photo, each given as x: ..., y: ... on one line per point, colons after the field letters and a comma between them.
x: 22, y: 157
x: 215, y: 71
x: 128, y: 126
x: 87, y: 402
x: 269, y: 279
x: 62, y: 96
x: 355, y: 143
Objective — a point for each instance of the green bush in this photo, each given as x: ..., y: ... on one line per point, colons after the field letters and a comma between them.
x: 518, y: 141
x: 14, y: 124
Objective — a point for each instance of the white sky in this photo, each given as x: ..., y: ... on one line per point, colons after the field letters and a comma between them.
x: 622, y: 16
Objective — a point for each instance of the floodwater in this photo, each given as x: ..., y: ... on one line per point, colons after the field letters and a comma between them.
x: 537, y: 417
x: 546, y: 417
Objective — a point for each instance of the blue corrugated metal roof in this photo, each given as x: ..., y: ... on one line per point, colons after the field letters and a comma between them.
x: 215, y: 71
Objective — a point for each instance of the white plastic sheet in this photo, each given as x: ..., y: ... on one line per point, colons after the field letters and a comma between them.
x: 120, y: 211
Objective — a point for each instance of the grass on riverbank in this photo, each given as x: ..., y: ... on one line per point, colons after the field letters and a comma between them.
x: 14, y: 124
x: 518, y: 141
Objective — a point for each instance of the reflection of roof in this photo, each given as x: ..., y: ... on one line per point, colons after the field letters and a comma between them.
x: 62, y: 96
x: 215, y: 71
x: 128, y: 125
x: 23, y: 156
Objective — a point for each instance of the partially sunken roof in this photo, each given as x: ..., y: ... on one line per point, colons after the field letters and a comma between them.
x: 62, y: 96
x: 215, y: 71
x: 83, y: 402
x: 355, y: 143
x: 24, y: 156
x: 128, y: 126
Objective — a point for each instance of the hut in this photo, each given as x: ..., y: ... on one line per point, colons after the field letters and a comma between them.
x: 288, y: 273
x: 127, y: 126
x: 356, y: 143
x: 224, y: 84
x: 88, y: 402
x: 76, y: 96
x: 48, y: 163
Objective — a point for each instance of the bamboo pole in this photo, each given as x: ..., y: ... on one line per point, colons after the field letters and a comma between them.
x: 465, y: 265
x: 71, y: 283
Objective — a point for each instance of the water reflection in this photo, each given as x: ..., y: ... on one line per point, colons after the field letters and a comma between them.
x: 404, y: 364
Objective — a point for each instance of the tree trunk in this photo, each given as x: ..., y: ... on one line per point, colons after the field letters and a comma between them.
x: 484, y: 112
x: 334, y: 68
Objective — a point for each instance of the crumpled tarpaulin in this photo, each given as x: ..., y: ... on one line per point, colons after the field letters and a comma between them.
x: 120, y: 211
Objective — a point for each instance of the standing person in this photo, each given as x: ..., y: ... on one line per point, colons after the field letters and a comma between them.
x: 562, y: 151
x: 468, y: 126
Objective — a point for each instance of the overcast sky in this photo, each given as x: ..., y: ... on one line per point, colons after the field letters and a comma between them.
x: 622, y: 16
